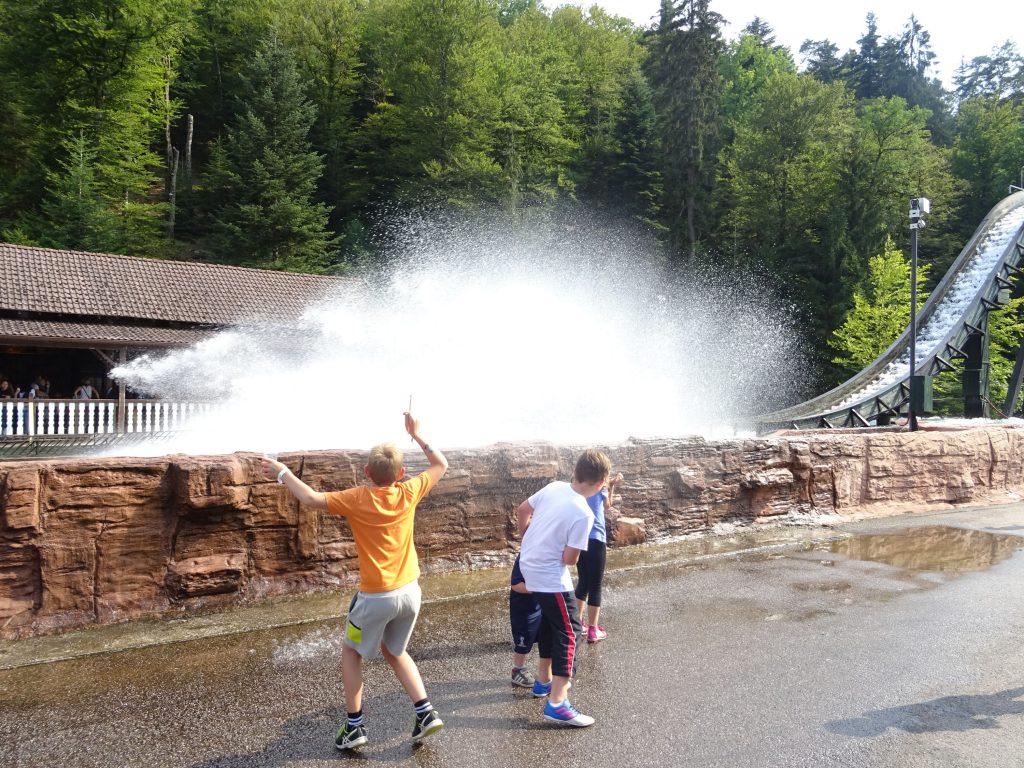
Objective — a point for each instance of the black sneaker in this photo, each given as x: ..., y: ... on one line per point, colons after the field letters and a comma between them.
x: 427, y: 723
x: 350, y: 737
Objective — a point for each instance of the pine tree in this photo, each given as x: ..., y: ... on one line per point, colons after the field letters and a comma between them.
x: 683, y: 68
x: 263, y: 175
x: 863, y: 65
x: 999, y: 75
x: 904, y: 63
x: 634, y: 173
x: 74, y: 214
x: 821, y: 61
x: 325, y: 36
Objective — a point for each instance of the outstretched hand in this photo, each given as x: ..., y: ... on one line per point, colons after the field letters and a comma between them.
x: 412, y: 425
x: 271, y: 467
x: 438, y: 463
x: 615, y: 480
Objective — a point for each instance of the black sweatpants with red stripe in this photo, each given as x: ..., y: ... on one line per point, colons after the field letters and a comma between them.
x: 559, y: 631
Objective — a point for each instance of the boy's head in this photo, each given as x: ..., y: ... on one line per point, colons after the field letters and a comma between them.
x: 592, y: 468
x: 384, y: 466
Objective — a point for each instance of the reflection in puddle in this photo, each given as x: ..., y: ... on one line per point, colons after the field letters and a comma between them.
x: 932, y: 548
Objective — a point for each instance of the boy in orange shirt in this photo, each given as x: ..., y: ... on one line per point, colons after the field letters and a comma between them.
x: 384, y: 611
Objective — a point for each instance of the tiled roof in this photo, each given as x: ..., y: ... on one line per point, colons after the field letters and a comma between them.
x: 47, y: 333
x: 73, y: 283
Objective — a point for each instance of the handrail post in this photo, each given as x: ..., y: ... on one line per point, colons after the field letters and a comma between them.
x: 122, y: 417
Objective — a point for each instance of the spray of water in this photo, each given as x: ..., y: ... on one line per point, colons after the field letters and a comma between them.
x: 567, y: 329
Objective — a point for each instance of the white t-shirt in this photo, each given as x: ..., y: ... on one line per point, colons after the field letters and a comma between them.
x: 561, y: 518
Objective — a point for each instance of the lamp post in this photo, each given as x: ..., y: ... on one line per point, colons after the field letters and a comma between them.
x: 919, y: 208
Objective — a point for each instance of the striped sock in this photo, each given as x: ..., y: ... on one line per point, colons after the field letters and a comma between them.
x: 423, y: 706
x: 355, y: 718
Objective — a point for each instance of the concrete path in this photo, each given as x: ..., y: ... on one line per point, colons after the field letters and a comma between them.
x: 895, y: 642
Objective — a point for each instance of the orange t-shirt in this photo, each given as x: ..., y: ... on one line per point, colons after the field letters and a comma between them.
x: 381, y: 517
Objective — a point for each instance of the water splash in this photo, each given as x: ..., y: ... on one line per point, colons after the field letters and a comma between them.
x: 565, y: 329
x: 319, y: 644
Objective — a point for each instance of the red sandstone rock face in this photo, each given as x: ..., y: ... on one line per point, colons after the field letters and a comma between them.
x: 629, y: 531
x: 94, y: 541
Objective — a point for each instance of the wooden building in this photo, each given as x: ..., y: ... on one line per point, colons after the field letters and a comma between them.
x: 71, y: 315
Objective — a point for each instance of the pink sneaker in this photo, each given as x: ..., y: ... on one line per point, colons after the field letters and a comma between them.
x: 595, y: 634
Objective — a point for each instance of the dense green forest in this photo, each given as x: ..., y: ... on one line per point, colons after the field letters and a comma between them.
x: 269, y: 132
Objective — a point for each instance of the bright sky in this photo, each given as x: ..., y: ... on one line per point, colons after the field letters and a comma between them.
x: 958, y: 32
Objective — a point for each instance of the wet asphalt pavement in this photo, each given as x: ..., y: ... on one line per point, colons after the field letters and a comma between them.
x: 895, y: 642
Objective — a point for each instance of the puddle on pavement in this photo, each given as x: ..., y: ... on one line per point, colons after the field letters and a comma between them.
x: 824, y: 586
x: 933, y: 548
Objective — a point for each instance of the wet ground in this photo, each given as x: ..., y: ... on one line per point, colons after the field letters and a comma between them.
x: 895, y: 642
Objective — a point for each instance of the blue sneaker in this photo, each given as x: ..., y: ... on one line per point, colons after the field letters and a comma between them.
x: 540, y: 690
x: 566, y: 714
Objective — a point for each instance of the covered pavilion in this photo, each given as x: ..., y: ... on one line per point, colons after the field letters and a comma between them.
x: 71, y: 315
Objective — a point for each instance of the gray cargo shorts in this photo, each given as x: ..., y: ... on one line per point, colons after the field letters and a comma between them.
x: 382, y: 617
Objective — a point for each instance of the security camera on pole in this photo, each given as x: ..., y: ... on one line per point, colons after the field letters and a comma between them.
x: 919, y: 208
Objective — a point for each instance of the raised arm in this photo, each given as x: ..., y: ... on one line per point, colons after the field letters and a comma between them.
x: 298, y: 489
x: 610, y: 501
x: 438, y: 463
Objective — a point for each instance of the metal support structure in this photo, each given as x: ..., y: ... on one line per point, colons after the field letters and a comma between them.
x: 1013, y: 386
x: 954, y: 352
x: 975, y: 375
x: 919, y: 208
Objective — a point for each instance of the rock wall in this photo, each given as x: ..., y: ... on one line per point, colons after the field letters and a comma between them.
x: 95, y: 541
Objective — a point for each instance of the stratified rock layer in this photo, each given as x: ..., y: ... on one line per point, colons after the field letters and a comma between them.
x: 95, y: 541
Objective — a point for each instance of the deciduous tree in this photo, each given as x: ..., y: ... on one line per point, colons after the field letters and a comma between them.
x: 880, y: 312
x: 97, y: 70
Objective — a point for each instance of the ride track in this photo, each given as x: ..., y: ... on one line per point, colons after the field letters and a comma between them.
x: 955, y: 313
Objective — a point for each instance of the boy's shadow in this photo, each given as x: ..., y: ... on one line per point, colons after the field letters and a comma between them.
x: 950, y: 713
x: 308, y: 738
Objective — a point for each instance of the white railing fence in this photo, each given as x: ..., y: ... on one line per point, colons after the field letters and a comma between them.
x: 46, y: 418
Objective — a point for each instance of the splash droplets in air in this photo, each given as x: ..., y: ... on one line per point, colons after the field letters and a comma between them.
x: 564, y: 332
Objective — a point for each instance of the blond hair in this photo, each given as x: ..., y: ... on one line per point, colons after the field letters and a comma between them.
x: 592, y: 466
x: 385, y: 463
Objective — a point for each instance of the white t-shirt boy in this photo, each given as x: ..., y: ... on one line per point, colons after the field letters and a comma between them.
x: 561, y: 518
